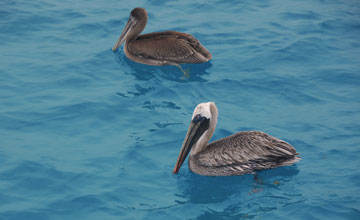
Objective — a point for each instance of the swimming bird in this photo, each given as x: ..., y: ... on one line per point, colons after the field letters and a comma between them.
x: 241, y: 153
x: 159, y: 48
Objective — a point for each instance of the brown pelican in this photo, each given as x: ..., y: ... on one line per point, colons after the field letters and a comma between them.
x: 159, y: 48
x: 238, y: 154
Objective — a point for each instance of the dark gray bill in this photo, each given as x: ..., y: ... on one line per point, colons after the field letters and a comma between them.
x: 127, y: 29
x: 197, y: 127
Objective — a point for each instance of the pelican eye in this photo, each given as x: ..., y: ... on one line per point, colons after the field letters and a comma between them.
x: 198, y: 118
x: 136, y: 12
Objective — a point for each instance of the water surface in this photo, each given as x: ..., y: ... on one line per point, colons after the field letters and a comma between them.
x: 87, y: 134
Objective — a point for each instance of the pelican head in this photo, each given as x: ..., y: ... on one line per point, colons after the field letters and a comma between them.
x: 135, y: 25
x: 201, y: 129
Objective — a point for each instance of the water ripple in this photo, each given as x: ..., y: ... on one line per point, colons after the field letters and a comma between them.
x: 86, y: 133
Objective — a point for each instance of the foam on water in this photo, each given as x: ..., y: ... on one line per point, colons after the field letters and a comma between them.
x: 87, y: 134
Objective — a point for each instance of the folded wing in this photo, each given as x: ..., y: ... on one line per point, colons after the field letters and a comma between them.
x: 245, y: 152
x: 170, y: 46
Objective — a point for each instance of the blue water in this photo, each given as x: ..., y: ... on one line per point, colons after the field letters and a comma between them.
x: 87, y: 134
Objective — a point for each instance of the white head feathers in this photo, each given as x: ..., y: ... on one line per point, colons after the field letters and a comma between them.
x: 204, y: 109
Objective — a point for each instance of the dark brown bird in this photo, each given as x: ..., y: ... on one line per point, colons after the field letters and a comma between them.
x: 238, y: 154
x: 159, y: 48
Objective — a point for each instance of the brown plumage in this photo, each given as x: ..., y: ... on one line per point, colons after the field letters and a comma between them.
x: 242, y: 153
x: 159, y: 48
x: 238, y: 154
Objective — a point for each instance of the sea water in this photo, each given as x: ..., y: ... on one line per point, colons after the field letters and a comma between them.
x: 86, y: 133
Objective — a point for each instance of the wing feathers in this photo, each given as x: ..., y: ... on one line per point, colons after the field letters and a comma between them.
x: 244, y: 152
x: 169, y: 46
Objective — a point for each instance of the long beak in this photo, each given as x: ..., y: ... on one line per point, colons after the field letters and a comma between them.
x: 196, y: 129
x: 129, y: 26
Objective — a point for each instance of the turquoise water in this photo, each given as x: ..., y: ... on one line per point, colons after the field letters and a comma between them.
x: 87, y: 134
